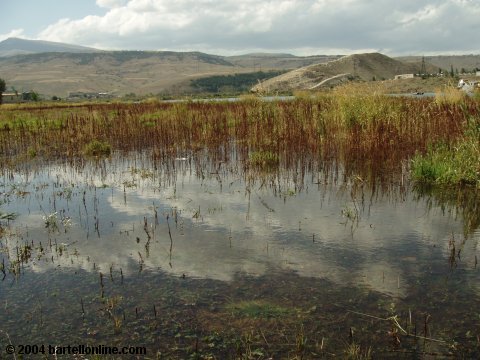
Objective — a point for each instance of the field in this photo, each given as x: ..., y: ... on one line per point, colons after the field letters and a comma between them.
x: 338, y: 224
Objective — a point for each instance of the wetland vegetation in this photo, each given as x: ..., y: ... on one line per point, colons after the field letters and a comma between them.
x: 338, y: 225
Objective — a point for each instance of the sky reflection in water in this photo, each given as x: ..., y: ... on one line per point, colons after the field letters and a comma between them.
x: 222, y: 225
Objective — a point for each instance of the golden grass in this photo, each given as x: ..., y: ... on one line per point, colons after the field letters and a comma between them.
x: 449, y: 95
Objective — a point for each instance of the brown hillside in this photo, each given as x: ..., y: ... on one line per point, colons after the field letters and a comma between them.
x: 114, y: 72
x: 140, y: 72
x: 359, y: 66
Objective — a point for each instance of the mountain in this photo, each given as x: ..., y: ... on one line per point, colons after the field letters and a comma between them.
x: 59, y: 69
x: 16, y: 46
x: 139, y: 72
x: 367, y: 67
x: 117, y: 72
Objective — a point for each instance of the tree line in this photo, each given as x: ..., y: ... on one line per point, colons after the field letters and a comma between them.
x: 232, y: 83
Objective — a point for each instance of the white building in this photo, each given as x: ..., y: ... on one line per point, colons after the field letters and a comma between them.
x: 404, y: 76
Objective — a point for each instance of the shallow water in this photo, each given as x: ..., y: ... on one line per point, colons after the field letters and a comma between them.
x: 166, y: 257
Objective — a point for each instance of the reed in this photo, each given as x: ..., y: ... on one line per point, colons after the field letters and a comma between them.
x: 369, y: 133
x: 449, y: 95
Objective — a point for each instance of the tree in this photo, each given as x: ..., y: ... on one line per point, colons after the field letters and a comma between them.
x: 2, y: 89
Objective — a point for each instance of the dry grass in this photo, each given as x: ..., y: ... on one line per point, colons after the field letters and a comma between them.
x: 449, y: 95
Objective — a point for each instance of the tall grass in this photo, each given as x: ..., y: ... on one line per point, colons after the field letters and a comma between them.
x: 449, y: 95
x: 364, y: 131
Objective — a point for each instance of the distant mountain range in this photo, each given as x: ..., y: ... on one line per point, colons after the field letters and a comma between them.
x: 59, y: 69
x: 16, y: 46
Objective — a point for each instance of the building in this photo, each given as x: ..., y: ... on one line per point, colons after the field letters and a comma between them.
x: 16, y: 97
x: 11, y: 98
x: 404, y: 76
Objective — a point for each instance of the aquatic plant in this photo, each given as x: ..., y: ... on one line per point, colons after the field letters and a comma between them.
x: 97, y: 148
x: 263, y: 158
x: 52, y: 222
x: 8, y: 216
x: 368, y: 133
x: 454, y: 163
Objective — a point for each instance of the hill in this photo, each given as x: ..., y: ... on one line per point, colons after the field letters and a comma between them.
x: 59, y: 69
x: 118, y: 73
x: 15, y: 46
x: 139, y: 72
x: 367, y: 67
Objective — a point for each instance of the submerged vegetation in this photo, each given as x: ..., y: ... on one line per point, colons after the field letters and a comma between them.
x: 258, y: 309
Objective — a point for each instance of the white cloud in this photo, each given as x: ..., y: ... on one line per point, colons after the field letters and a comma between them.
x: 230, y: 26
x: 320, y: 5
x: 110, y: 4
x: 18, y: 33
x: 427, y: 13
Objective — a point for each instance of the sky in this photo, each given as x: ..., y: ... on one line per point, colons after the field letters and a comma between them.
x: 229, y: 27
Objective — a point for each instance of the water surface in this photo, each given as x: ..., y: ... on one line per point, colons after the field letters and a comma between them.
x: 200, y: 258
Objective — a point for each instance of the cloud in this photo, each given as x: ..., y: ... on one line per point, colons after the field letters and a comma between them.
x: 428, y: 13
x: 18, y: 33
x: 230, y: 26
x: 110, y: 4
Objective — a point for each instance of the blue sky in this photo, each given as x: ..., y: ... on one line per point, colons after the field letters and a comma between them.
x: 302, y: 27
x: 35, y: 15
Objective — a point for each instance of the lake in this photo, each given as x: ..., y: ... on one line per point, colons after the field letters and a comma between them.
x: 194, y: 256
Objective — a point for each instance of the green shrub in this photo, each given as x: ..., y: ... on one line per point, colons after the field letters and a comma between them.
x: 458, y: 164
x: 97, y: 148
x: 263, y: 158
